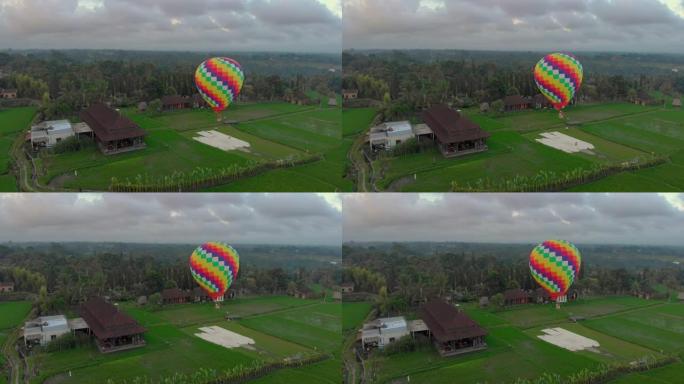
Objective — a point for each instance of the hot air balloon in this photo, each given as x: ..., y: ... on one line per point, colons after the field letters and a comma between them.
x: 219, y: 80
x: 559, y: 77
x: 215, y: 266
x: 554, y: 265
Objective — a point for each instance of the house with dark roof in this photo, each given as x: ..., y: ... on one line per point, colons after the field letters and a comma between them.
x: 516, y: 103
x: 113, y: 330
x: 350, y: 94
x: 174, y: 296
x: 643, y: 98
x: 8, y: 93
x: 114, y: 133
x: 6, y: 287
x: 516, y: 297
x: 175, y: 102
x: 451, y: 330
x: 347, y: 287
x: 540, y: 101
x: 454, y: 133
x: 540, y: 296
x: 199, y: 295
x: 198, y: 101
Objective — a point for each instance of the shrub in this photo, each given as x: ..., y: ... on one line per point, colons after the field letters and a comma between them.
x: 67, y: 341
x: 406, y: 344
x: 73, y: 144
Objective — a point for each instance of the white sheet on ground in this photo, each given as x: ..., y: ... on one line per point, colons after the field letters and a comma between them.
x: 564, y: 142
x: 568, y: 340
x: 223, y: 337
x: 220, y: 140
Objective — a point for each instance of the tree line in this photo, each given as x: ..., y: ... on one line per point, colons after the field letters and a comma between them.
x: 65, y: 85
x: 406, y: 84
x: 62, y: 280
x: 406, y: 280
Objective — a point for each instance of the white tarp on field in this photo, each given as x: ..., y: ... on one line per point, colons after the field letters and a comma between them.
x: 568, y: 340
x: 223, y: 337
x: 220, y: 140
x: 564, y: 142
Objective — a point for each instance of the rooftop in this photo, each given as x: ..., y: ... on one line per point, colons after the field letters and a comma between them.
x: 110, y: 125
x: 106, y: 321
x: 53, y: 126
x: 447, y: 324
x: 450, y: 126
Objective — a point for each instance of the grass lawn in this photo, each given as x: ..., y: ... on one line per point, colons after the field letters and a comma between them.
x: 353, y: 314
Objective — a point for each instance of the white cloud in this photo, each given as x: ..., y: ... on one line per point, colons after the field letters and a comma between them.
x: 615, y: 25
x: 244, y: 25
x: 650, y: 219
x: 305, y: 219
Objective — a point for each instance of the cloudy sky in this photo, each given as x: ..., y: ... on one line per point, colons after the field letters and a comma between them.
x: 226, y: 25
x: 298, y: 219
x: 590, y: 25
x: 645, y: 219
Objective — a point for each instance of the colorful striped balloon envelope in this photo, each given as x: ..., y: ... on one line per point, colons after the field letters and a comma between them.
x: 559, y: 77
x: 219, y: 80
x: 554, y: 265
x: 215, y: 266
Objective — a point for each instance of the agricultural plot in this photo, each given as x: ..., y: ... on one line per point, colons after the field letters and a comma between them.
x: 12, y: 314
x: 13, y: 122
x: 515, y: 351
x: 183, y: 141
x: 615, y: 133
x: 669, y: 374
x: 174, y: 347
x: 317, y: 326
x: 353, y: 314
x: 660, y: 330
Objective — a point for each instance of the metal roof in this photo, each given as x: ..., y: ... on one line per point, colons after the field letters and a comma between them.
x: 53, y: 126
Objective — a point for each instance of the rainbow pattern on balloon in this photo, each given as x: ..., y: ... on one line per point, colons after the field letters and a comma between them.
x: 219, y: 80
x: 559, y: 76
x: 554, y: 265
x: 215, y: 266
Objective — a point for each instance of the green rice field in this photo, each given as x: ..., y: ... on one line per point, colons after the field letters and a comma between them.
x: 626, y: 328
x: 619, y: 132
x: 275, y: 131
x: 282, y: 327
x: 13, y: 122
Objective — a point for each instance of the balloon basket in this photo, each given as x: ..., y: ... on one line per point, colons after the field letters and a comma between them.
x: 217, y: 305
